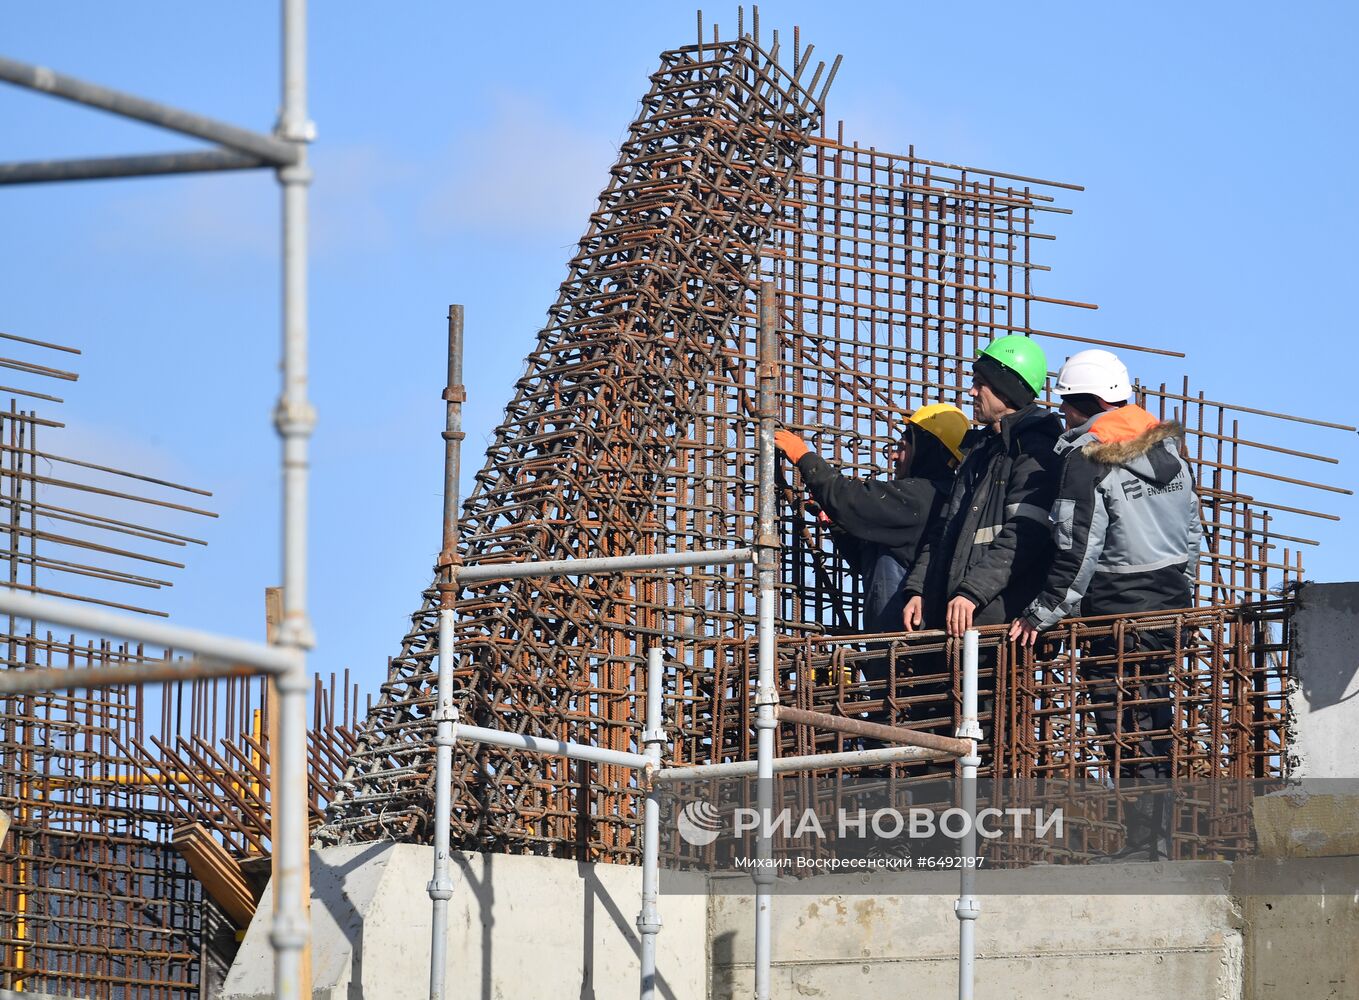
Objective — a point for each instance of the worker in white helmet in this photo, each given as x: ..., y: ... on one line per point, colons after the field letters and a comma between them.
x: 1126, y: 528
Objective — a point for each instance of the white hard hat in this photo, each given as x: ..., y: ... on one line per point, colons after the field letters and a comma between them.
x: 1095, y: 373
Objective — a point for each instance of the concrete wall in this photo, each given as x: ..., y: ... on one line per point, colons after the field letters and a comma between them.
x: 1265, y: 929
x: 1325, y: 700
x: 1301, y: 928
x: 1284, y: 927
x: 518, y: 927
x: 1104, y: 940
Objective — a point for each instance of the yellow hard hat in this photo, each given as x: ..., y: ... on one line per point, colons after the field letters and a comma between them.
x: 946, y: 422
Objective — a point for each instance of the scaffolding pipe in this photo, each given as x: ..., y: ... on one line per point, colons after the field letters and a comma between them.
x: 105, y: 167
x: 20, y: 681
x: 279, y: 150
x: 968, y: 907
x: 269, y: 659
x: 294, y: 420
x: 805, y: 762
x: 440, y: 887
x: 602, y: 564
x: 766, y: 690
x: 874, y: 730
x: 551, y: 748
x: 653, y: 739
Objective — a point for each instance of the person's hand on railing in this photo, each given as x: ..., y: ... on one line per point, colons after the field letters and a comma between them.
x: 913, y: 615
x: 1026, y: 633
x: 958, y: 616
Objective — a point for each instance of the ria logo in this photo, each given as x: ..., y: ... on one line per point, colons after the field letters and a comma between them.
x: 699, y: 823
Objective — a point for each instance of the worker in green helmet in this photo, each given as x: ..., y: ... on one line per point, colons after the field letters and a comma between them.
x: 989, y: 556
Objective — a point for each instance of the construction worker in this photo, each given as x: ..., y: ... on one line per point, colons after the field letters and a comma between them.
x: 1127, y: 530
x: 988, y: 556
x: 879, y: 525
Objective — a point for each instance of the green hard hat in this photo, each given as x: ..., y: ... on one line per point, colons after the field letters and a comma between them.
x: 1023, y: 357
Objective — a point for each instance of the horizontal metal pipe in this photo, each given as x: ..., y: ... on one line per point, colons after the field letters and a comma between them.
x: 65, y: 460
x: 106, y: 523
x: 69, y: 679
x: 31, y: 394
x: 29, y: 368
x: 150, y: 165
x: 270, y: 659
x: 606, y: 564
x: 40, y: 78
x: 873, y: 730
x: 552, y: 748
x: 1164, y: 393
x: 39, y: 343
x: 823, y: 141
x: 805, y: 762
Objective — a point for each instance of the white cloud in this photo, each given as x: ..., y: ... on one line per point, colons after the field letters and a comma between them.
x: 209, y: 217
x: 118, y: 449
x: 891, y: 121
x: 350, y: 210
x: 523, y: 170
x: 231, y: 216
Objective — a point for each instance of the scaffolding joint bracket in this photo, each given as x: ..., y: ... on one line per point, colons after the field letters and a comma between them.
x: 293, y: 417
x: 295, y: 631
x: 291, y: 130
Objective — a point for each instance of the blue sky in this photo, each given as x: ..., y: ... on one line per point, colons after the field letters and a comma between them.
x: 460, y: 151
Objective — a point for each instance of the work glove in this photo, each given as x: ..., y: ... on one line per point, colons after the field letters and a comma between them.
x: 791, y: 445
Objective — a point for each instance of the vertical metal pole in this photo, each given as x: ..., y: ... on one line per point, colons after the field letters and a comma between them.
x: 294, y: 419
x: 445, y: 714
x: 653, y: 739
x: 766, y: 691
x: 968, y: 907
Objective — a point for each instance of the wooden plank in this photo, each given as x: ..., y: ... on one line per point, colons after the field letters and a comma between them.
x: 218, y: 871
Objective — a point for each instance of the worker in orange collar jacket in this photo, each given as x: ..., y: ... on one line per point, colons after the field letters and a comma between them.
x: 1126, y: 529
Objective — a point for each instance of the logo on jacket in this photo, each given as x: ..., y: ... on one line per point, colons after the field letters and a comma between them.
x: 1132, y: 489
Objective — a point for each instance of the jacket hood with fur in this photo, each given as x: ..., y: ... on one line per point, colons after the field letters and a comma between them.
x: 1132, y: 438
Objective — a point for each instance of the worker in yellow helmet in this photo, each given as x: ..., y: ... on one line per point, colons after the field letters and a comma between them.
x: 878, y: 524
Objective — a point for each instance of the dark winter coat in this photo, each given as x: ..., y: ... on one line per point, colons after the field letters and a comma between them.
x: 1126, y: 521
x: 993, y: 544
x: 879, y: 526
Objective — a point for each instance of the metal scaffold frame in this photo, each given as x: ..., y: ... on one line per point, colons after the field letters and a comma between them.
x: 294, y: 418
x: 764, y: 555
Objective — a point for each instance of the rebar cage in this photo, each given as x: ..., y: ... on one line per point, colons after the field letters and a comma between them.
x: 112, y: 794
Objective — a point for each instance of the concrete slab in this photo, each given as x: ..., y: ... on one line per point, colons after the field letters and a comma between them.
x: 1301, y: 947
x: 1051, y: 934
x: 1324, y: 701
x: 518, y: 927
x: 1302, y: 823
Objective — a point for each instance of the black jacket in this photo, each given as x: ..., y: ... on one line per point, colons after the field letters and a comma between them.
x: 994, y: 544
x: 879, y: 526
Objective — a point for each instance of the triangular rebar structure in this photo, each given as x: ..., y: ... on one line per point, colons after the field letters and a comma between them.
x: 618, y: 376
